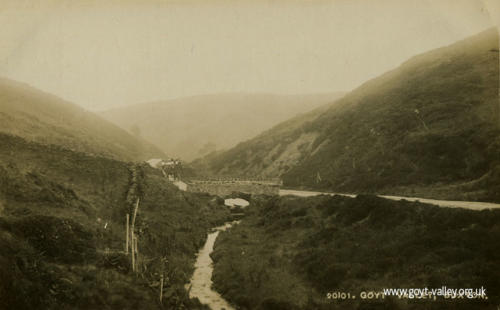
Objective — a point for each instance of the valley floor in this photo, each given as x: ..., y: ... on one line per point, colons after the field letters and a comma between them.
x: 290, y: 252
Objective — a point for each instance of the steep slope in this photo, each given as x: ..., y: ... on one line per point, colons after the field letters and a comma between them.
x: 270, y: 154
x: 41, y: 117
x: 195, y: 126
x: 62, y: 231
x: 430, y: 126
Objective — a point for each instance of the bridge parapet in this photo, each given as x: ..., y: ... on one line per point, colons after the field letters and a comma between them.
x: 226, y: 186
x: 264, y: 182
x: 233, y: 179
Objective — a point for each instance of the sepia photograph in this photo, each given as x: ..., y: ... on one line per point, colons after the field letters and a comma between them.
x: 249, y: 154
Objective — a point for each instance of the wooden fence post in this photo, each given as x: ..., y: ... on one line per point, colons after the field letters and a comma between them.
x: 161, y: 288
x: 132, y: 249
x: 132, y: 235
x: 136, y: 248
x: 127, y: 234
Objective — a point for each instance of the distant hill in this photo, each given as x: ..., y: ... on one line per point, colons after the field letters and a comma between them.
x: 195, y: 126
x: 430, y: 126
x: 44, y: 118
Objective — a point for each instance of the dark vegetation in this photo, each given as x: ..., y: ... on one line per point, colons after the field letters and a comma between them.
x: 429, y: 127
x: 40, y: 117
x: 289, y: 252
x: 62, y: 231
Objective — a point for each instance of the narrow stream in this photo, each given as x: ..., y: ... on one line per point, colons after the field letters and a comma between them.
x: 201, y: 281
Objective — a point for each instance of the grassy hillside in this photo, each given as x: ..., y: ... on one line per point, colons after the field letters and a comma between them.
x: 429, y: 127
x: 62, y: 231
x: 290, y: 252
x: 43, y: 118
x: 195, y: 126
x: 270, y: 154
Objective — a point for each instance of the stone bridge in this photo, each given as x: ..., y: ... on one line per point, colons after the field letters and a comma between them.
x: 226, y: 186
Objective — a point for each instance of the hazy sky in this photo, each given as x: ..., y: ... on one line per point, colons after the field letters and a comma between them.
x: 123, y: 52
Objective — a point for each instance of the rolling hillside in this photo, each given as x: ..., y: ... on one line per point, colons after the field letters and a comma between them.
x: 44, y: 118
x: 290, y: 252
x: 430, y: 126
x: 195, y: 126
x: 62, y: 231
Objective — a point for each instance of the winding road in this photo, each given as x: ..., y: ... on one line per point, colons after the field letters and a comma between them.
x: 473, y: 205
